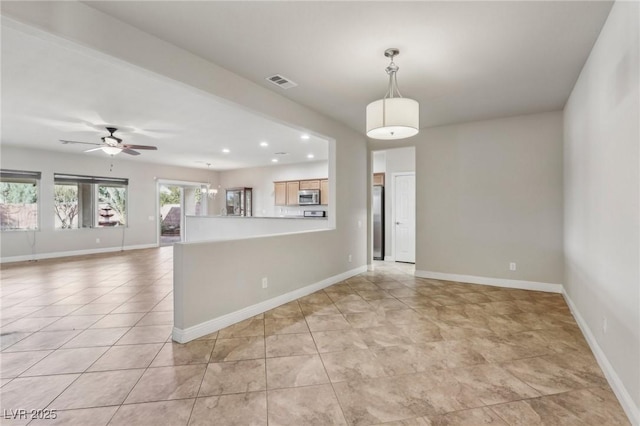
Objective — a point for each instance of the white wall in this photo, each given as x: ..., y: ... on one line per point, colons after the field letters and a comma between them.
x: 490, y: 193
x: 261, y: 180
x: 601, y: 178
x: 142, y: 214
x: 215, y: 296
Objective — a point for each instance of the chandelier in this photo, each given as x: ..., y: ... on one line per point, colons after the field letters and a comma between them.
x: 393, y: 117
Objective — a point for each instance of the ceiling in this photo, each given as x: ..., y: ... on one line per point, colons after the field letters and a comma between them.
x: 462, y: 61
x: 55, y: 90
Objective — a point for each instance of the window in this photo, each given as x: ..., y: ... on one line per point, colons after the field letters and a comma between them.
x: 19, y: 199
x: 89, y: 201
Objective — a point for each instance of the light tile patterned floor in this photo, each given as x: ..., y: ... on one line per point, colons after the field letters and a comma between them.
x: 90, y: 338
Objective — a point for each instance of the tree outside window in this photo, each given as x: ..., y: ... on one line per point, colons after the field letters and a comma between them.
x: 89, y: 201
x: 66, y: 206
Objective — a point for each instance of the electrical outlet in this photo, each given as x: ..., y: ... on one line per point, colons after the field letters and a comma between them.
x: 512, y: 266
x: 97, y: 240
x: 350, y: 258
x: 604, y: 325
x: 265, y: 282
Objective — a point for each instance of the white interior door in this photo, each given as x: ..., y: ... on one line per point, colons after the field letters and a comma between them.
x: 404, y: 206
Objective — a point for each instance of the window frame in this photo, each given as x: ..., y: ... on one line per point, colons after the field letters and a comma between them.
x: 94, y: 208
x: 25, y: 174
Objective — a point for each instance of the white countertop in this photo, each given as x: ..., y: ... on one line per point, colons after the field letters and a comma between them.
x: 257, y: 217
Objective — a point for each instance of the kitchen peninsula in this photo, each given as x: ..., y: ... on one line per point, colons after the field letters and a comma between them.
x: 293, y: 206
x: 266, y: 201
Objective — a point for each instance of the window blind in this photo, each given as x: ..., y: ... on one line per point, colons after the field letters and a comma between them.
x: 65, y: 178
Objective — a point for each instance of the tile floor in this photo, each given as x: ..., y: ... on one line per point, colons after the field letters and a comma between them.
x: 90, y: 338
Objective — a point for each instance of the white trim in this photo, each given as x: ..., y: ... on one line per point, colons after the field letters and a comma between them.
x: 389, y: 259
x: 625, y: 399
x: 158, y: 210
x: 215, y: 324
x: 57, y: 254
x: 500, y: 282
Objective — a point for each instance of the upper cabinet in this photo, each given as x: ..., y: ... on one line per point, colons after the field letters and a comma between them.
x: 286, y: 193
x: 280, y: 189
x: 292, y: 193
x: 324, y: 192
x: 310, y: 184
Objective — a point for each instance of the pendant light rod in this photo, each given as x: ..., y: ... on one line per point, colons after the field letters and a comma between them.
x: 392, y: 70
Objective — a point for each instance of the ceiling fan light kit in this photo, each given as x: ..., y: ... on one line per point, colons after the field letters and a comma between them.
x: 112, y: 145
x: 111, y: 150
x: 393, y: 117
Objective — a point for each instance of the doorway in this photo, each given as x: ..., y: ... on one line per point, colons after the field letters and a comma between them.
x: 176, y: 201
x: 390, y: 241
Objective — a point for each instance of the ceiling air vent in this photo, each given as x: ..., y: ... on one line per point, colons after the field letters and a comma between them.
x: 281, y: 81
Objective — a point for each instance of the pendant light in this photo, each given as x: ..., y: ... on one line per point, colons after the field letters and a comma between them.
x: 393, y: 117
x: 211, y: 192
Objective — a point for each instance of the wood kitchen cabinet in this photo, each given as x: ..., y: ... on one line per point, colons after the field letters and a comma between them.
x: 292, y: 193
x: 324, y: 192
x: 309, y: 184
x: 286, y: 192
x: 280, y: 189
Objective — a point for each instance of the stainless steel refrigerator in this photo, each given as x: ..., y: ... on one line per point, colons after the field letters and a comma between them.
x: 378, y: 222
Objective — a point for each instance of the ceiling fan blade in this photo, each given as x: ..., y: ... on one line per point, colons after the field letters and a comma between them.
x: 84, y: 143
x: 140, y: 147
x: 94, y: 149
x: 130, y: 151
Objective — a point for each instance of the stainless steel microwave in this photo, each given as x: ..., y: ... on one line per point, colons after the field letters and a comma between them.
x: 309, y: 197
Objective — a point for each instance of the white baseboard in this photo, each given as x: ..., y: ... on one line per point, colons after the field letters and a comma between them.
x: 499, y: 282
x: 627, y: 402
x: 215, y: 324
x: 53, y: 255
x: 389, y: 259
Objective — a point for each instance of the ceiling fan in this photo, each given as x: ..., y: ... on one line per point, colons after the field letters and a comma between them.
x: 112, y: 145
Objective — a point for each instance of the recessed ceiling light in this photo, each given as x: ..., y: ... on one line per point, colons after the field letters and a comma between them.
x: 310, y: 155
x: 274, y: 160
x: 304, y: 137
x: 226, y: 150
x: 264, y: 144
